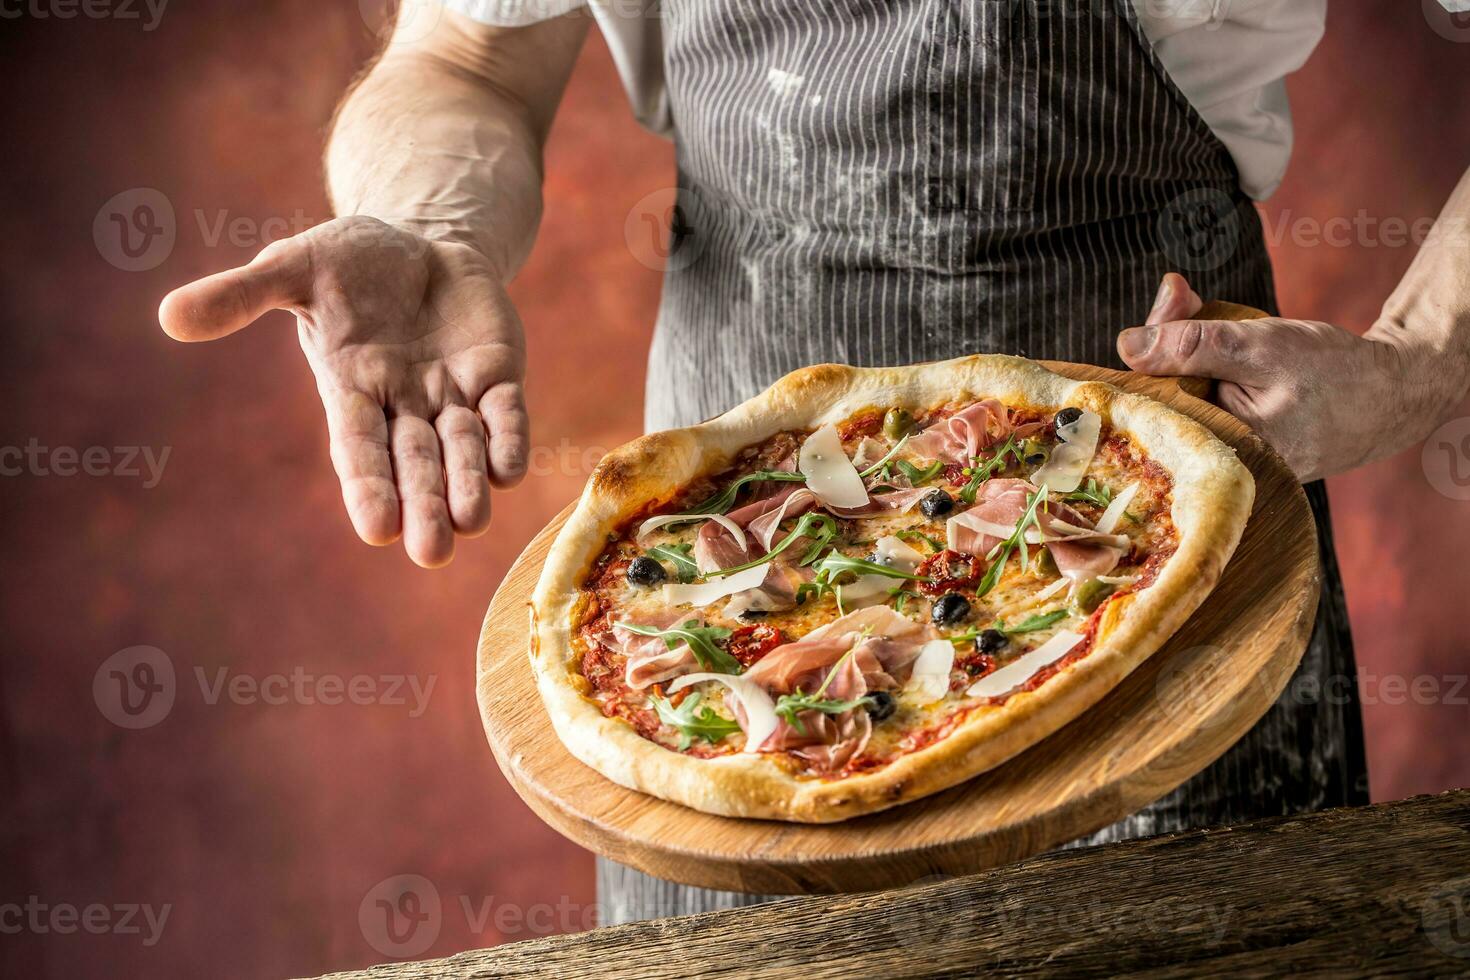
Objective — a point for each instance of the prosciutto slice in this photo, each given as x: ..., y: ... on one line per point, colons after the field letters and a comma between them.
x: 829, y: 742
x: 884, y: 646
x: 716, y: 548
x: 899, y: 500
x: 776, y: 594
x: 794, y: 503
x: 650, y: 661
x: 961, y: 436
x: 1080, y: 551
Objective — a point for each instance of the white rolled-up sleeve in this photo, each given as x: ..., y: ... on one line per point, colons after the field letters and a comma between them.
x: 512, y: 13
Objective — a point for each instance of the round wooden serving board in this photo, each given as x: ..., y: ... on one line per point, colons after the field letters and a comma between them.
x: 1169, y: 719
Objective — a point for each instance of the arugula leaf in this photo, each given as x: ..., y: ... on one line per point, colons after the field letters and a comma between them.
x: 1001, y: 552
x: 884, y: 461
x: 691, y: 724
x: 789, y: 706
x: 723, y: 501
x: 1093, y: 493
x: 679, y: 556
x: 901, y: 596
x: 1032, y: 623
x: 820, y: 527
x: 984, y: 470
x: 702, y: 642
x: 836, y: 563
x: 918, y: 475
x: 914, y: 534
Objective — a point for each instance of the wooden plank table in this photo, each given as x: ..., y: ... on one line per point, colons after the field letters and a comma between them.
x: 1371, y: 891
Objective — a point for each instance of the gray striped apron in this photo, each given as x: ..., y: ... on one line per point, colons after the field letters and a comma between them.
x: 891, y: 181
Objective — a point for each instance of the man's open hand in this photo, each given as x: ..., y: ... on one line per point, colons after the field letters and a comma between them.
x: 419, y: 358
x: 1326, y: 399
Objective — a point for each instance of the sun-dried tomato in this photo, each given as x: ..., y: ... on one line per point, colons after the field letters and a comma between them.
x: 749, y: 643
x: 975, y: 663
x: 949, y: 571
x: 860, y: 425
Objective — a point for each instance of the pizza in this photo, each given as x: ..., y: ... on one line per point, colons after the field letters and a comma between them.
x: 866, y: 585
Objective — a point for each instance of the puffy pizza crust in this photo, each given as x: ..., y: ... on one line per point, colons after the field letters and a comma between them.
x: 1212, y: 497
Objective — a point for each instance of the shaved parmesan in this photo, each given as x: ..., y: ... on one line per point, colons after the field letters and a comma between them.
x: 930, y: 679
x: 1051, y: 590
x: 894, y: 553
x: 870, y: 451
x: 756, y: 706
x: 1021, y: 670
x: 654, y: 523
x: 1110, y: 517
x: 707, y: 592
x: 829, y: 473
x: 1118, y: 579
x: 1069, y: 461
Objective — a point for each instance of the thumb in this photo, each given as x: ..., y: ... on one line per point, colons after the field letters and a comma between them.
x: 218, y: 305
x: 1175, y: 301
x: 1217, y: 349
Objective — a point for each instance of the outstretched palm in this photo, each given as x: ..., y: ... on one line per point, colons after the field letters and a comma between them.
x: 418, y: 356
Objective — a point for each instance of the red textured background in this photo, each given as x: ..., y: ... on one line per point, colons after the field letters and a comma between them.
x: 263, y: 826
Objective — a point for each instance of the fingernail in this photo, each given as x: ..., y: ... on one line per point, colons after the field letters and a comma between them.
x: 1136, y: 341
x: 1166, y: 292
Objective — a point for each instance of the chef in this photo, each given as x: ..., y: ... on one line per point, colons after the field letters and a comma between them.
x: 872, y: 182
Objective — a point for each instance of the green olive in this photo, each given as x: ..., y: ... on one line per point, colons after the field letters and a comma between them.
x: 1033, y: 452
x: 897, y: 423
x: 1092, y: 593
x: 1045, y: 562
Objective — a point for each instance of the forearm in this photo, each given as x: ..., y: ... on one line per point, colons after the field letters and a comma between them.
x: 1425, y: 325
x: 443, y: 137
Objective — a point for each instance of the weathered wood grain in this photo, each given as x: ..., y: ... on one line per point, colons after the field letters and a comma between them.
x: 1167, y: 721
x: 1381, y: 890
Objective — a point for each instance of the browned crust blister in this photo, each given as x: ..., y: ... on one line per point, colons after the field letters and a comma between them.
x: 1212, y: 498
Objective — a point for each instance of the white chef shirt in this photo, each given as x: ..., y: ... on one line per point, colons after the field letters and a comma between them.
x: 1229, y: 57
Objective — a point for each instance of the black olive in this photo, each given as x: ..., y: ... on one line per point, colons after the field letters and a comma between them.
x: 949, y: 609
x: 1067, y: 416
x: 749, y: 614
x: 881, y: 705
x: 936, y: 503
x: 643, y: 570
x: 989, y: 641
